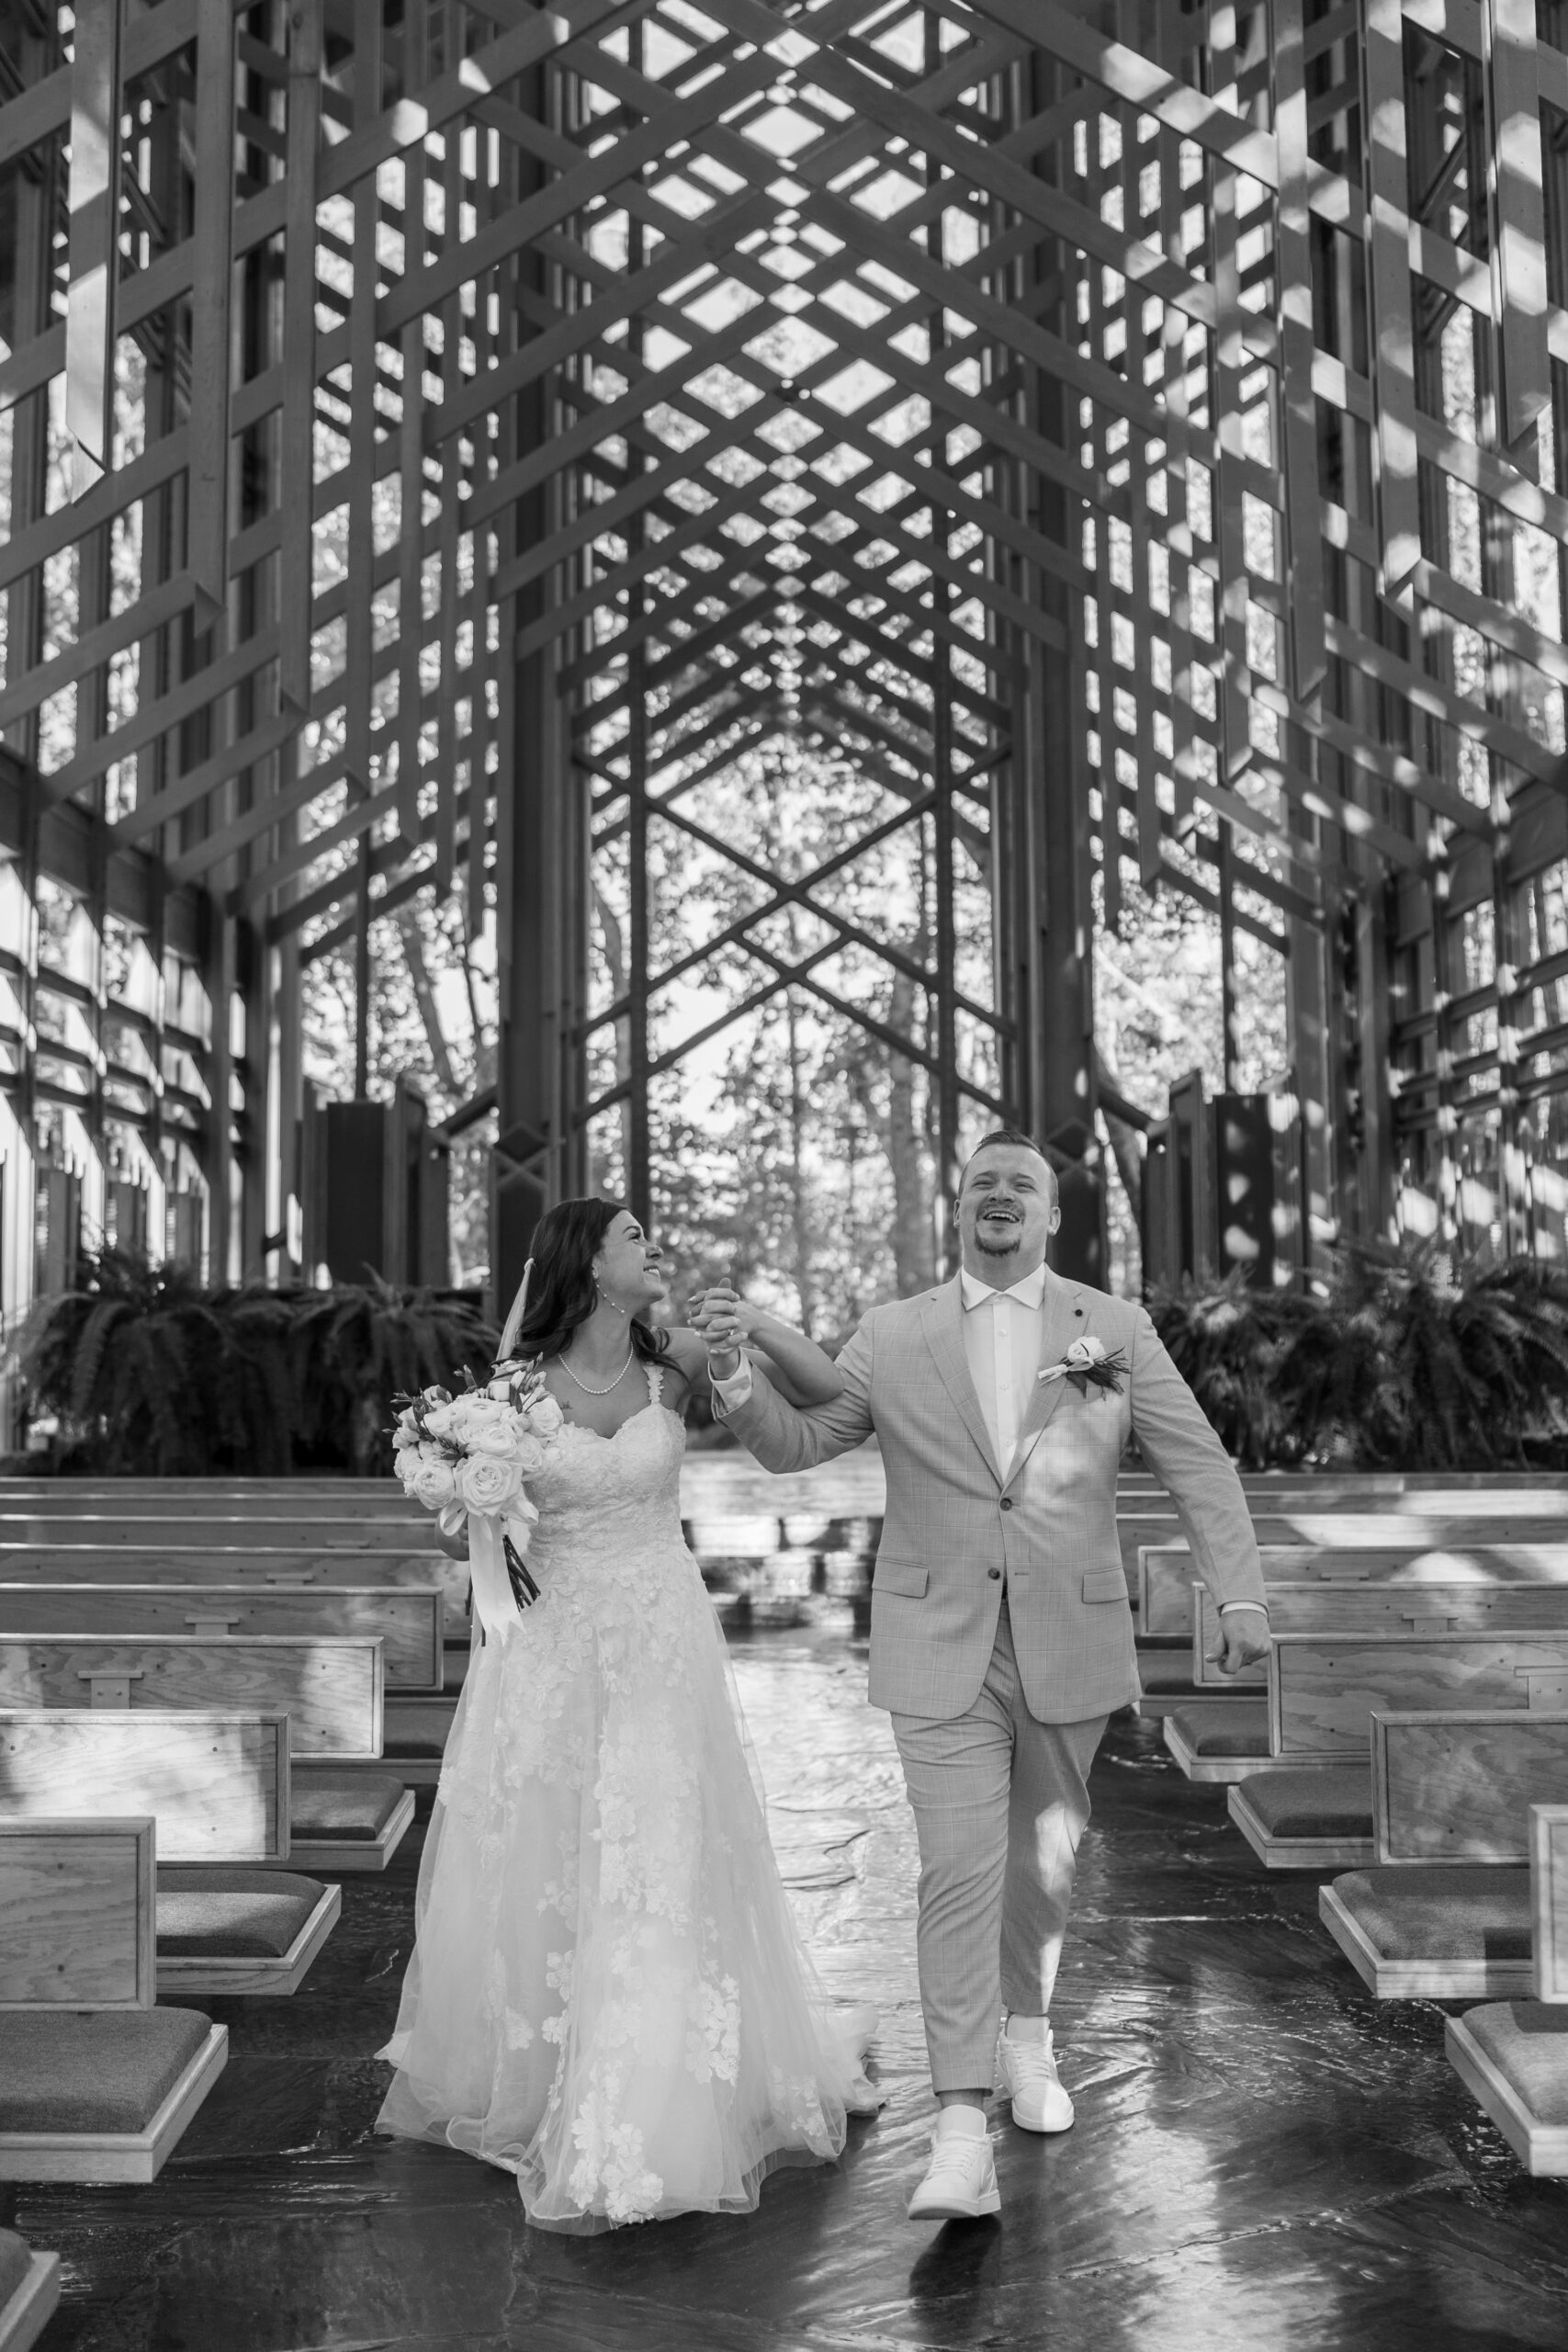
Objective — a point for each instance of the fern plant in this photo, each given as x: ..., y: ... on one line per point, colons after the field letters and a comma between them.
x: 1227, y: 1340
x: 145, y: 1371
x: 353, y: 1347
x: 1417, y: 1364
x: 1408, y: 1363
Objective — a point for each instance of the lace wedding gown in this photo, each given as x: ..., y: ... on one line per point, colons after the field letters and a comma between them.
x: 609, y: 1995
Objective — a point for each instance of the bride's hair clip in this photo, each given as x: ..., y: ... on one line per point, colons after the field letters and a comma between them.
x: 515, y: 1320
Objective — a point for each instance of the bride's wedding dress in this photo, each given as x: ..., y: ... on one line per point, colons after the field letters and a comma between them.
x: 609, y: 1995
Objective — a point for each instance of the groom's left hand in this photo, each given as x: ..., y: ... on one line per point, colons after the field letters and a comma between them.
x: 1244, y: 1641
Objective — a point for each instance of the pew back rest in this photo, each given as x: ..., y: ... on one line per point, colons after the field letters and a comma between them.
x: 330, y: 1685
x: 1457, y: 1786
x: 1548, y: 1899
x: 1323, y: 1687
x: 1167, y: 1575
x: 192, y: 1563
x: 1525, y: 1516
x: 1394, y: 1607
x: 410, y: 1619
x: 250, y: 1531
x: 78, y: 1913
x: 217, y: 1785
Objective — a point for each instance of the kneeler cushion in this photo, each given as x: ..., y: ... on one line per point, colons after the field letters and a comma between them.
x: 342, y: 1804
x: 1161, y: 1671
x: 1328, y: 1801
x: 92, y: 2070
x: 232, y: 1914
x: 1224, y: 1726
x: 1527, y: 2043
x: 1409, y: 1912
x: 412, y: 1740
x: 15, y: 2261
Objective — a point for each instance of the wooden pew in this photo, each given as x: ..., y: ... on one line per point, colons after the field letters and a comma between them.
x: 410, y: 1619
x: 330, y: 1685
x: 1445, y: 1912
x: 216, y: 1783
x: 1396, y: 1607
x: 78, y: 1983
x: 342, y: 1818
x: 200, y: 1563
x: 1456, y: 1788
x: 1531, y: 1551
x: 1323, y: 1687
x: 1534, y: 1516
x: 29, y: 2292
x: 1322, y: 1691
x: 249, y: 1531
x: 1513, y: 2055
x: 218, y: 1787
x: 1548, y: 1897
x: 1335, y: 1486
x: 203, y: 1492
x: 1226, y: 1739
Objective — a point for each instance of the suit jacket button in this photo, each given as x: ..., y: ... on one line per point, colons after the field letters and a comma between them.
x: 994, y: 1575
x: 1006, y: 1502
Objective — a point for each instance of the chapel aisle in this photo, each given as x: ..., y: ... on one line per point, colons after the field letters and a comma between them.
x: 1264, y: 2155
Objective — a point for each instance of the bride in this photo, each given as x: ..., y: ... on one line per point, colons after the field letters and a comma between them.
x: 608, y: 1996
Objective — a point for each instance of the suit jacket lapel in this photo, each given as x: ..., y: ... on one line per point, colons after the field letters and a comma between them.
x: 1061, y: 1325
x: 942, y: 1317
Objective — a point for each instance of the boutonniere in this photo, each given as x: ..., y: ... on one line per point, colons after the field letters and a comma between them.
x: 1089, y: 1362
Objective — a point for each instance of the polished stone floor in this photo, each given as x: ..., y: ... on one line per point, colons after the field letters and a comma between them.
x: 1263, y: 2157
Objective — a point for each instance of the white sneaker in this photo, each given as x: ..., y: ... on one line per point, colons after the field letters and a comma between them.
x: 1027, y: 2071
x: 960, y: 2183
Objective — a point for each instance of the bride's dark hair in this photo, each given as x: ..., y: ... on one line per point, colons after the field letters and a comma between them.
x: 562, y: 1293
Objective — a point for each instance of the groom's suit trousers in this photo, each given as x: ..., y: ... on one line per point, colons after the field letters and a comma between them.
x: 1000, y: 1801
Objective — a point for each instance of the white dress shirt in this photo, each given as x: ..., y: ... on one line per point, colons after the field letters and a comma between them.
x: 1001, y: 1343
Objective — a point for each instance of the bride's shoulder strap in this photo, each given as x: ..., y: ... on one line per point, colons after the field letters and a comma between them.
x: 655, y: 1379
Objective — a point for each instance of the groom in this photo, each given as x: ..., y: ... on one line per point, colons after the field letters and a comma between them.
x: 1000, y: 1636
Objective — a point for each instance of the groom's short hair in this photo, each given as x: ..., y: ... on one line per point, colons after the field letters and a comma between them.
x: 1018, y: 1141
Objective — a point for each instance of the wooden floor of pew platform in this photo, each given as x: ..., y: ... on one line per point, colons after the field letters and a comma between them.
x: 1261, y: 2157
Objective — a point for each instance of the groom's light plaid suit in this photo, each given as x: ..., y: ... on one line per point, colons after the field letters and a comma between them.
x: 1000, y: 1634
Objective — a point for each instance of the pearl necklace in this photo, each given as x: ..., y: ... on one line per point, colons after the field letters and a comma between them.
x: 588, y: 1386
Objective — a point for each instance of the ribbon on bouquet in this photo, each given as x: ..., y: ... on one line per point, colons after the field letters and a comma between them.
x: 500, y: 1592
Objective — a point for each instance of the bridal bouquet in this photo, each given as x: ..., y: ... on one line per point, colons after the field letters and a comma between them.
x: 469, y: 1458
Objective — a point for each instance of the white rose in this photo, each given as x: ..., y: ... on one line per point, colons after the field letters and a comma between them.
x: 439, y: 1419
x: 433, y: 1485
x: 1085, y: 1351
x: 545, y: 1415
x: 482, y: 1411
x: 406, y: 1460
x: 499, y: 1437
x: 486, y: 1484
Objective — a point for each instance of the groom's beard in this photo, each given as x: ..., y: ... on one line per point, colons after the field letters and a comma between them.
x: 995, y: 1246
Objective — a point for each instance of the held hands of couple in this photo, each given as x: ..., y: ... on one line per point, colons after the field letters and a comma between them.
x: 723, y: 1320
x: 1244, y: 1641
